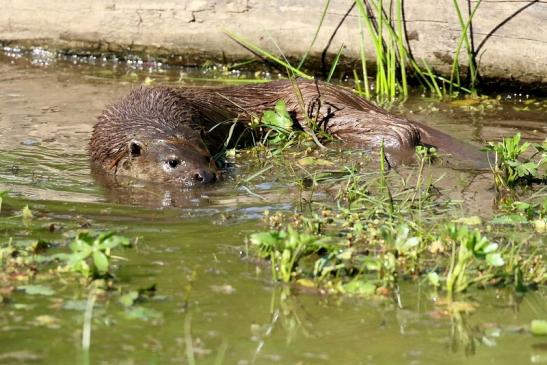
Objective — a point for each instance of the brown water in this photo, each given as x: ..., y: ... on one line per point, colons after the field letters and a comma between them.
x: 47, y: 109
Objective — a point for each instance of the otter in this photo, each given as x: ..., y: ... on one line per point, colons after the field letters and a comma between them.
x: 169, y: 135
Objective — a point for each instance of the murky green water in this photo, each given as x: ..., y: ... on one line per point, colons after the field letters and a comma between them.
x: 191, y: 246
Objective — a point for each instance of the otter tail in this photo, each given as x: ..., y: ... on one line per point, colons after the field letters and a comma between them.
x: 464, y: 155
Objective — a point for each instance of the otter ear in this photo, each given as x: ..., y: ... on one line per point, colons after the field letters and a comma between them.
x: 135, y: 148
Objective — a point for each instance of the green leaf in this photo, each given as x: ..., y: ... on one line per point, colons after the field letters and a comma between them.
x: 27, y: 216
x: 470, y: 221
x: 538, y: 327
x: 79, y: 245
x: 127, y: 300
x: 77, y: 257
x: 527, y: 169
x: 3, y: 195
x: 313, y: 161
x: 489, y: 248
x: 359, y: 287
x: 495, y: 259
x: 81, y: 266
x: 409, y: 244
x: 509, y: 219
x: 279, y: 119
x: 101, y: 262
x: 434, y: 279
x: 268, y: 239
x: 372, y: 263
x: 112, y: 241
x: 36, y: 289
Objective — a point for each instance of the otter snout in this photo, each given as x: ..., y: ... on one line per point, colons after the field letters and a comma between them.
x: 203, y: 176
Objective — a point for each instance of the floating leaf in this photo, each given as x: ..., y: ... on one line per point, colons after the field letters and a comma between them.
x: 360, y: 287
x: 128, y: 299
x: 47, y: 321
x: 306, y: 283
x: 434, y: 279
x: 101, y: 262
x: 312, y: 161
x: 538, y: 327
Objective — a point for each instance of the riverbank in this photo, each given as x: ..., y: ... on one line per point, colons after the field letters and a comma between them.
x: 505, y: 38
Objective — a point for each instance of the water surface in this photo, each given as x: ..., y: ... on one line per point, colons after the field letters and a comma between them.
x: 192, y: 245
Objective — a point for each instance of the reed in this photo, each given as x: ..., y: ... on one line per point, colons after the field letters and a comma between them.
x: 382, y: 27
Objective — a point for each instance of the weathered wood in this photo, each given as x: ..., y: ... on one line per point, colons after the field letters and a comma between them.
x: 510, y: 36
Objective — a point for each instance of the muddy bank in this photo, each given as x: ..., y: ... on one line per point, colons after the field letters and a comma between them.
x: 506, y: 36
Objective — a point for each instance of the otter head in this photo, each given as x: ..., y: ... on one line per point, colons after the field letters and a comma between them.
x: 148, y: 135
x: 183, y: 161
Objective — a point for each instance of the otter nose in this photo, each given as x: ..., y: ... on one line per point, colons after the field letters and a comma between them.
x: 205, y: 176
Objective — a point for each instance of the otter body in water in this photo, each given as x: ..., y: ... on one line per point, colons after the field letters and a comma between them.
x: 168, y: 134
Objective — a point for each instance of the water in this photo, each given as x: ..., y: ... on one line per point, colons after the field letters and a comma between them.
x: 191, y: 245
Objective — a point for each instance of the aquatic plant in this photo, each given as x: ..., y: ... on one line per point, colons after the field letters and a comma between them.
x: 394, y: 62
x: 278, y: 125
x: 510, y: 167
x: 380, y: 229
x: 92, y: 253
x: 468, y: 245
x: 390, y: 50
x: 3, y: 194
x: 285, y: 248
x: 471, y: 62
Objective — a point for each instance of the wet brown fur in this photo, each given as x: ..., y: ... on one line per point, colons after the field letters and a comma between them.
x: 187, y: 115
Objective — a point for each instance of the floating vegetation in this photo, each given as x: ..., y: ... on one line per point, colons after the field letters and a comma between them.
x: 90, y: 255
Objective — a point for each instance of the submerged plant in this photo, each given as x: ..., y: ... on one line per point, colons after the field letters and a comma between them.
x: 92, y: 253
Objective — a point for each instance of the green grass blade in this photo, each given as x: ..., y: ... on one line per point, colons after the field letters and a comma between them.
x: 327, y: 3
x: 464, y: 39
x: 335, y: 62
x: 401, y: 46
x: 267, y: 55
x: 432, y: 78
x: 363, y: 61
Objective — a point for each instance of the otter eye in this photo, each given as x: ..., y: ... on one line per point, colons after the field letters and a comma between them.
x: 173, y: 163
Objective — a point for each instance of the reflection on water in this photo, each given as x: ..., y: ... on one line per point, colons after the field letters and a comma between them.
x: 48, y: 106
